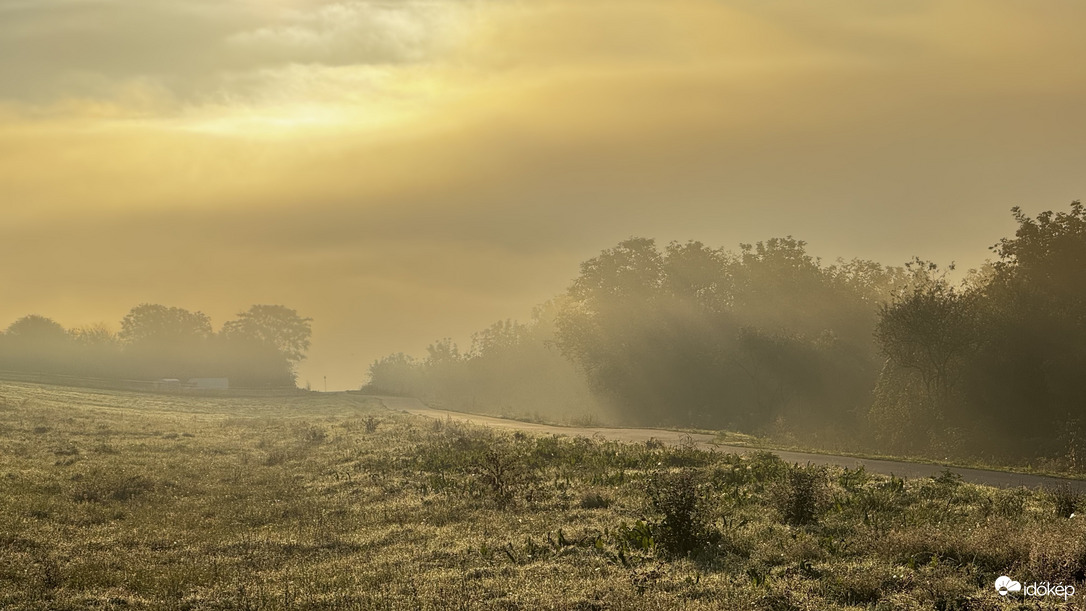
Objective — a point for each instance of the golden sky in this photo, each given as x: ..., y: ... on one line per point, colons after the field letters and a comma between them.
x: 407, y: 170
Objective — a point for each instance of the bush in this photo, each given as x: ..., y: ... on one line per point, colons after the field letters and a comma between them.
x: 801, y: 495
x: 1066, y: 500
x: 501, y: 469
x: 682, y: 499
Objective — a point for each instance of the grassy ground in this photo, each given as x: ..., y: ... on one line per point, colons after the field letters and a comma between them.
x: 127, y: 501
x: 1053, y: 467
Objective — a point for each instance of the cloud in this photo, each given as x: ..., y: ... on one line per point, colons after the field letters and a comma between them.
x: 404, y: 171
x: 57, y: 49
x: 355, y: 32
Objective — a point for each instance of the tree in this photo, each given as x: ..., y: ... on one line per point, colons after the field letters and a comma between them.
x: 35, y: 329
x: 97, y: 351
x: 158, y: 324
x: 97, y: 334
x: 928, y: 329
x: 396, y: 374
x: 929, y: 337
x: 1034, y: 326
x: 273, y: 326
x: 34, y: 343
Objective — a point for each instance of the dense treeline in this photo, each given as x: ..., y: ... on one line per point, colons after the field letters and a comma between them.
x: 772, y: 341
x: 769, y: 338
x: 995, y: 365
x: 257, y: 349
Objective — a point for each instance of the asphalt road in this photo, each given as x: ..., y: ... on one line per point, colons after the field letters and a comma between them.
x: 1002, y: 479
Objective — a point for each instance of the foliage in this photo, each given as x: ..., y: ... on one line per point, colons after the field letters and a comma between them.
x: 682, y: 499
x: 739, y: 341
x: 1005, y: 346
x: 801, y: 496
x: 274, y: 326
x: 155, y: 341
x: 511, y: 369
x: 36, y: 329
x: 157, y: 324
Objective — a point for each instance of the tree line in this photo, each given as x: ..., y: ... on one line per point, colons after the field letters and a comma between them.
x: 510, y: 368
x: 773, y: 341
x: 259, y: 348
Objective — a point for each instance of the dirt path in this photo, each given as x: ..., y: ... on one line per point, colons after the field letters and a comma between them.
x: 1001, y: 479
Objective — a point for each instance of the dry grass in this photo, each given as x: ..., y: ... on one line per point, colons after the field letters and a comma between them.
x: 124, y: 501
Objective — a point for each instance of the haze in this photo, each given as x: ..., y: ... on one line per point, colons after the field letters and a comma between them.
x: 402, y: 171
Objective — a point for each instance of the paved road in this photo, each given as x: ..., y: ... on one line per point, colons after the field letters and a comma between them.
x: 1001, y: 479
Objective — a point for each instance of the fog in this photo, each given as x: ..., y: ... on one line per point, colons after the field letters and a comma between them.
x: 701, y: 304
x: 406, y: 173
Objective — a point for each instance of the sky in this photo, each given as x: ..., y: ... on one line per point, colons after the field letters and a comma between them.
x: 403, y: 171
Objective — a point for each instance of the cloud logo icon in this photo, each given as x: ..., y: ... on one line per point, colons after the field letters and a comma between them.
x: 1005, y: 585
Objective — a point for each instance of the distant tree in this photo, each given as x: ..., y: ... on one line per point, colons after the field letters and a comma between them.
x: 1034, y: 327
x: 274, y: 326
x: 1006, y: 346
x: 443, y: 352
x: 699, y: 335
x: 158, y: 324
x: 928, y: 329
x: 167, y: 342
x: 36, y: 329
x: 929, y: 336
x: 96, y: 352
x: 396, y: 374
x: 34, y: 343
x: 98, y: 334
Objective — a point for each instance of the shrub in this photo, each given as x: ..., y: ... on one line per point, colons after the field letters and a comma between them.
x: 801, y: 495
x: 1066, y: 500
x: 766, y: 466
x: 682, y: 499
x: 499, y: 469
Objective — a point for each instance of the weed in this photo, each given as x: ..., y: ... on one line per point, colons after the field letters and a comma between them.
x: 1066, y: 500
x: 801, y: 496
x: 854, y: 480
x: 682, y: 499
x: 638, y: 537
x: 1010, y: 503
x: 594, y: 500
x: 501, y: 469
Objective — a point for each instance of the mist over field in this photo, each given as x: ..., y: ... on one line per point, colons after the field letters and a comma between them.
x: 410, y: 171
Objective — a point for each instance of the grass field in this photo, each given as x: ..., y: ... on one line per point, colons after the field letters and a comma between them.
x: 116, y: 500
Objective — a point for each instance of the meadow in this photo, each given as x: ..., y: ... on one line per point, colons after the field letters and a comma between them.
x: 118, y: 500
